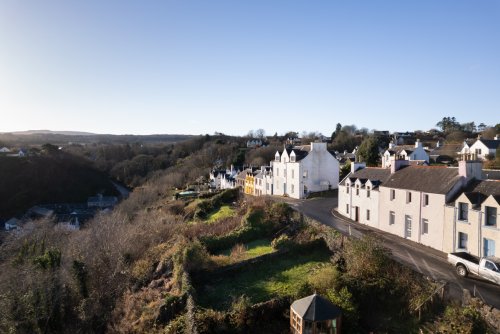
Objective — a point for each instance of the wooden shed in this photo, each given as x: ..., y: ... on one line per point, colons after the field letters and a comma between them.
x: 315, y: 315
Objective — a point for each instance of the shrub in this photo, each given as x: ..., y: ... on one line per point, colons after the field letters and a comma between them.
x: 343, y: 298
x: 49, y: 260
x: 240, y: 312
x: 281, y: 242
x: 324, y: 279
x: 238, y: 251
x: 204, y: 207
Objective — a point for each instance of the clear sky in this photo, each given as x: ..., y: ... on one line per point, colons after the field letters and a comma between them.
x: 197, y: 67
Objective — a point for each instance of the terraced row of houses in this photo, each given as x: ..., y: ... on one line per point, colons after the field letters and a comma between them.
x: 295, y: 172
x: 448, y: 209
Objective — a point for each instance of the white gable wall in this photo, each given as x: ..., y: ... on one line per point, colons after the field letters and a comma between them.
x: 318, y: 171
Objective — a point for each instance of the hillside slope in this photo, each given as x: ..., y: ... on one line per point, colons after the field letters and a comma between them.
x: 25, y: 182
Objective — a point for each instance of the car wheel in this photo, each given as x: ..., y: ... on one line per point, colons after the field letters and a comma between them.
x: 462, y: 271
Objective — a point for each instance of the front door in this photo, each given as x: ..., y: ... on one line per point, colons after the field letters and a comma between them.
x: 407, y: 226
x: 356, y: 213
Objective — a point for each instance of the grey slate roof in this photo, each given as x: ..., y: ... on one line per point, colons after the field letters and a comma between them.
x: 490, y: 143
x: 316, y: 308
x: 374, y: 174
x: 300, y: 153
x: 491, y: 174
x: 479, y: 190
x: 429, y: 179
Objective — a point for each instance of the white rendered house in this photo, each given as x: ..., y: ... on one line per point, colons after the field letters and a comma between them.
x: 359, y: 193
x: 472, y: 220
x: 302, y: 170
x: 482, y: 148
x: 407, y: 201
x: 408, y: 152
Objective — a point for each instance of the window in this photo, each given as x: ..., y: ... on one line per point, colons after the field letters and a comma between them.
x: 488, y: 247
x: 293, y: 188
x: 426, y: 199
x: 478, y: 151
x: 305, y: 174
x: 293, y: 173
x: 368, y: 192
x: 347, y: 208
x: 462, y: 240
x: 277, y: 157
x: 292, y: 158
x: 425, y: 226
x: 407, y: 226
x: 463, y: 211
x: 347, y: 188
x: 491, y: 216
x: 408, y: 197
x: 277, y: 172
x: 392, y: 217
x: 367, y: 214
x: 393, y: 194
x: 284, y: 172
x: 490, y: 266
x: 357, y: 190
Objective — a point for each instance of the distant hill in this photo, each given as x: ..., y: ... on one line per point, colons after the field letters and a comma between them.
x: 67, y: 133
x: 39, y: 137
x: 58, y: 178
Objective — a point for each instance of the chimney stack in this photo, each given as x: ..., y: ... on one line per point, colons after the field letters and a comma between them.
x: 470, y: 168
x: 398, y: 162
x: 418, y: 143
x: 355, y: 166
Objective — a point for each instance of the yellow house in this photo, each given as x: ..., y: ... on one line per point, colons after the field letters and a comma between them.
x: 249, y: 183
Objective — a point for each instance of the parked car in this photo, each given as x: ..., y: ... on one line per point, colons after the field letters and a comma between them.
x: 485, y: 267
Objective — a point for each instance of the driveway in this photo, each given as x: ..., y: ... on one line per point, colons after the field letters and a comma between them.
x: 423, y: 259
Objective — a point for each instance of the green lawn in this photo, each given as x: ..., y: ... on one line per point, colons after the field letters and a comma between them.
x: 224, y: 211
x: 279, y: 276
x: 254, y: 248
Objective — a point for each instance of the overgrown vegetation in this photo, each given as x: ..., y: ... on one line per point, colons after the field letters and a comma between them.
x: 222, y: 263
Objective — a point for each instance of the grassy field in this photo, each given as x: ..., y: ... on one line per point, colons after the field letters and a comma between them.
x: 253, y: 249
x: 224, y: 211
x: 280, y: 276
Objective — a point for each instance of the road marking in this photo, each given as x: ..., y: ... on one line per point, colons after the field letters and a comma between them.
x: 429, y: 269
x: 414, y: 262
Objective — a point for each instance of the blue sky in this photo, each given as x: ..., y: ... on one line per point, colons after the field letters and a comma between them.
x: 197, y: 67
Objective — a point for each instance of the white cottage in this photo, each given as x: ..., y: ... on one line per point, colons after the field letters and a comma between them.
x: 408, y: 152
x: 482, y: 148
x: 359, y: 193
x: 301, y: 170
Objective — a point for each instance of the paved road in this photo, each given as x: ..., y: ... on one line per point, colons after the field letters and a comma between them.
x: 425, y: 260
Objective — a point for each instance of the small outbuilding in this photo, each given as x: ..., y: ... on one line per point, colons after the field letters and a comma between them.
x: 315, y: 315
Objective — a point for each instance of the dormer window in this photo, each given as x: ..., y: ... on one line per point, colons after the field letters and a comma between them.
x: 277, y: 157
x: 292, y: 158
x: 368, y: 191
x: 347, y: 186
